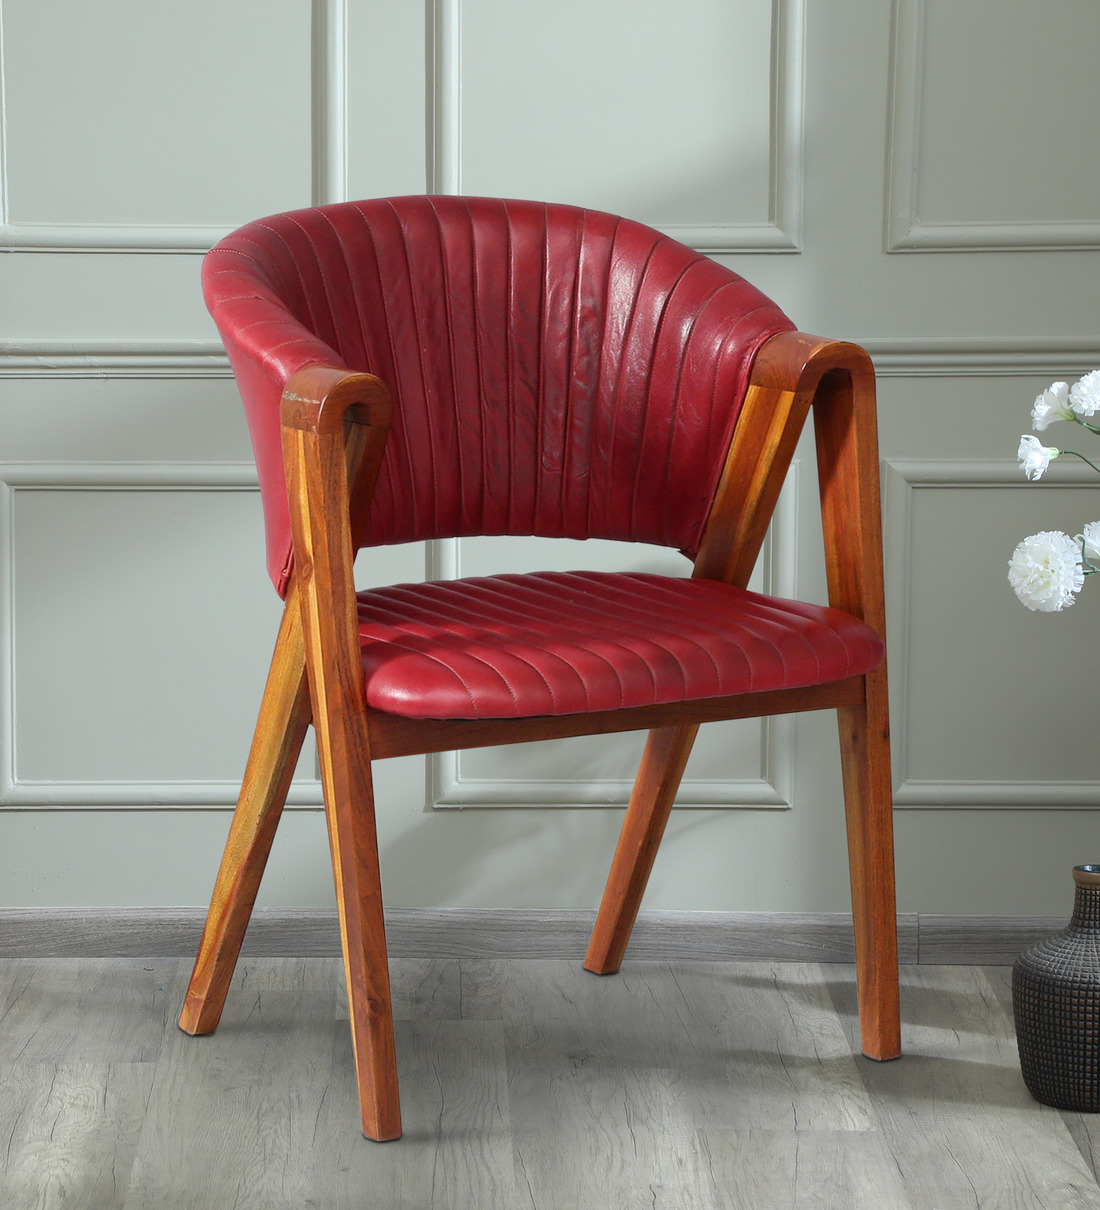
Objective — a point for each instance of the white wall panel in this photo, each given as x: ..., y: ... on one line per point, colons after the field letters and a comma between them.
x: 687, y: 117
x: 135, y: 642
x: 153, y: 116
x: 767, y: 125
x: 984, y: 688
x: 387, y: 98
x: 993, y: 114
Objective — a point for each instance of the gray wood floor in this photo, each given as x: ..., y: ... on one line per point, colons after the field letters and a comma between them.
x: 525, y: 1084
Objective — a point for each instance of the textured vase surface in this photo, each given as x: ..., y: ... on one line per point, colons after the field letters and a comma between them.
x: 1056, y: 1004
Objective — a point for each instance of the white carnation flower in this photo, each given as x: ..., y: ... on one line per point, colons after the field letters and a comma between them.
x: 1084, y: 395
x: 1051, y: 405
x: 1045, y: 571
x: 1035, y: 457
x: 1090, y: 535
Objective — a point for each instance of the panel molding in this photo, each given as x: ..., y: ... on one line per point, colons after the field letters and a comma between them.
x: 981, y: 357
x: 448, y: 786
x: 781, y: 232
x: 328, y: 154
x: 936, y: 357
x: 905, y: 230
x: 330, y: 101
x: 113, y: 359
x: 903, y: 477
x: 17, y: 793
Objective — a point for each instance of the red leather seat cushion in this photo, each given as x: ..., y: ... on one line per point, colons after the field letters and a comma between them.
x: 513, y: 646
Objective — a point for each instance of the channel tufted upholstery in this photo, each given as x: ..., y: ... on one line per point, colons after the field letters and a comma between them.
x: 554, y: 371
x: 438, y: 367
x: 516, y: 645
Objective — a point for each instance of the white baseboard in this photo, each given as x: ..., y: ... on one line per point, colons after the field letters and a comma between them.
x: 461, y: 933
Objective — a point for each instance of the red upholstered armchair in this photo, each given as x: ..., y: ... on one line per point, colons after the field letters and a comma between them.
x: 432, y: 367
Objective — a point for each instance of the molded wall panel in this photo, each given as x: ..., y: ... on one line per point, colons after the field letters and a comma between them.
x: 625, y: 106
x: 1006, y: 133
x: 984, y: 710
x: 990, y: 149
x: 834, y: 135
x: 388, y: 103
x: 140, y: 647
x: 139, y: 114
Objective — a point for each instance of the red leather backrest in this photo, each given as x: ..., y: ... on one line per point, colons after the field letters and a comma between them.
x: 554, y: 371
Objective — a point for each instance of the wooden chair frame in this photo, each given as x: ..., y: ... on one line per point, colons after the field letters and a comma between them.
x: 334, y: 430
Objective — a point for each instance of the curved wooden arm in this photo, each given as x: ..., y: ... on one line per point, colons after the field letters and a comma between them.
x: 334, y: 432
x: 351, y: 411
x: 320, y: 398
x: 846, y: 432
x: 335, y: 424
x: 792, y: 372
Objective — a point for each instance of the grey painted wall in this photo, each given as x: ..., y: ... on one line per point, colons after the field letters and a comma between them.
x: 860, y: 162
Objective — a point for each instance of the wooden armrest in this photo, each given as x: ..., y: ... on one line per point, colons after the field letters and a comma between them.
x: 320, y: 399
x: 792, y: 372
x: 334, y: 432
x: 321, y: 406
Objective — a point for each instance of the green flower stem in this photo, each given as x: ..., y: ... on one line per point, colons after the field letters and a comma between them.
x: 1087, y: 567
x: 1083, y: 459
x: 1092, y: 428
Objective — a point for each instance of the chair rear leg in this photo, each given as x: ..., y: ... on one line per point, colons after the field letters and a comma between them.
x: 663, y: 761
x: 280, y: 730
x: 865, y: 756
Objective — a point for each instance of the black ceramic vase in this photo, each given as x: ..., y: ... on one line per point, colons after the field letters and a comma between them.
x: 1056, y: 1003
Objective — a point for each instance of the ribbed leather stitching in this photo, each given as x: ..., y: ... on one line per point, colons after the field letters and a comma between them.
x: 521, y: 645
x: 555, y: 371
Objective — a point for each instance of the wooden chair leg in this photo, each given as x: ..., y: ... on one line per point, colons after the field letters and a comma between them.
x: 666, y: 753
x: 865, y: 754
x: 317, y: 470
x: 349, y: 805
x: 280, y: 730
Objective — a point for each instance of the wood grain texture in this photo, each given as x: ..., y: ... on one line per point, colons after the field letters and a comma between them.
x: 454, y: 1085
x: 868, y: 812
x: 335, y: 424
x: 514, y: 933
x: 663, y: 762
x: 846, y: 434
x: 277, y: 741
x: 316, y: 406
x: 79, y: 1043
x: 760, y: 1169
x: 959, y: 1122
x: 71, y: 1133
x: 66, y: 1010
x: 764, y: 439
x: 525, y: 1084
x: 982, y: 940
x: 243, y: 1100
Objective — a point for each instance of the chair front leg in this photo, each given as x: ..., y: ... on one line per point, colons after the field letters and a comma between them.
x: 848, y: 475
x: 280, y: 730
x: 316, y: 457
x: 349, y: 806
x: 663, y: 761
x: 865, y: 758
